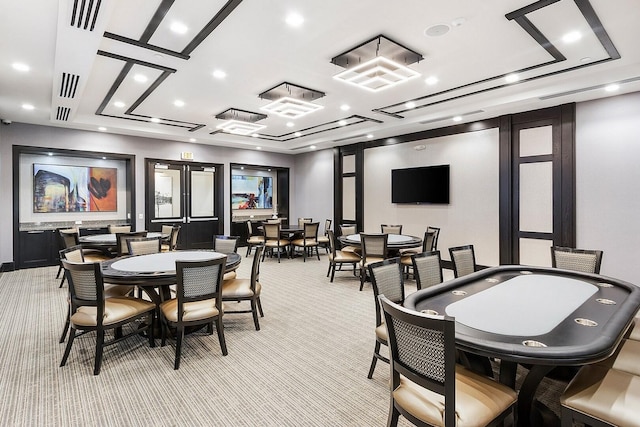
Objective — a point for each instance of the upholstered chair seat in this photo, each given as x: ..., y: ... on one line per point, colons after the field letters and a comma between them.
x: 116, y: 309
x: 249, y: 289
x: 339, y: 257
x: 196, y: 310
x: 229, y: 275
x: 381, y: 334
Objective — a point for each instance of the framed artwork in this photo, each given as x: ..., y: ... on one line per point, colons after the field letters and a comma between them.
x: 251, y: 192
x: 59, y: 188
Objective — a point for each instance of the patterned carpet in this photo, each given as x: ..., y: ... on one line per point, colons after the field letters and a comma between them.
x: 307, y: 365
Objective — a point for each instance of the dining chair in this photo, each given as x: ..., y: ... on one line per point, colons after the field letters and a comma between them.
x: 308, y: 241
x: 113, y: 229
x: 143, y: 245
x: 225, y: 244
x: 391, y: 229
x: 427, y: 387
x: 323, y: 240
x: 121, y: 241
x: 76, y: 254
x: 251, y: 239
x: 427, y: 246
x: 272, y: 240
x: 92, y: 311
x: 303, y: 221
x: 69, y: 237
x: 463, y: 259
x: 583, y: 260
x: 246, y: 290
x: 436, y: 234
x: 347, y: 230
x: 374, y: 249
x: 427, y: 269
x: 337, y: 258
x: 197, y: 301
x: 171, y: 243
x: 386, y: 279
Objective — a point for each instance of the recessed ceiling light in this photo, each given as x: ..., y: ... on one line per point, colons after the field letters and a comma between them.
x: 179, y: 28
x: 290, y: 124
x: 342, y: 122
x: 178, y: 103
x: 119, y: 104
x: 258, y: 148
x: 255, y: 135
x: 410, y: 104
x: 18, y: 66
x: 140, y: 78
x: 457, y: 118
x: 585, y: 59
x: 312, y: 147
x: 298, y: 134
x: 28, y: 106
x: 155, y: 120
x: 49, y: 154
x: 219, y: 74
x: 294, y: 19
x: 344, y: 107
x: 437, y: 30
x: 572, y: 37
x: 612, y: 87
x: 370, y: 136
x: 102, y: 129
x: 431, y: 80
x: 511, y: 78
x: 192, y: 140
x: 104, y: 158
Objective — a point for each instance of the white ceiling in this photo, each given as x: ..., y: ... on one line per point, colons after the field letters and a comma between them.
x: 251, y: 42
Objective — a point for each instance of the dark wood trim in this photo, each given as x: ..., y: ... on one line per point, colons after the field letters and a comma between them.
x: 211, y: 25
x: 7, y: 266
x: 337, y: 188
x: 568, y: 177
x: 144, y: 45
x: 535, y: 235
x: 156, y: 20
x: 505, y: 185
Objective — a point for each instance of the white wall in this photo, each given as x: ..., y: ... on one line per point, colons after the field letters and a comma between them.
x: 608, y: 182
x: 313, y: 193
x: 52, y: 137
x: 472, y: 215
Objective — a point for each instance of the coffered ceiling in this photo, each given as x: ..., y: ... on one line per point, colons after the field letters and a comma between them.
x: 289, y: 76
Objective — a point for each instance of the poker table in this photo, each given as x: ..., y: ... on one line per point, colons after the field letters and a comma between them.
x: 543, y: 317
x: 394, y: 242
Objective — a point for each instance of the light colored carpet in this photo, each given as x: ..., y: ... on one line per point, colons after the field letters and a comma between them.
x: 307, y: 366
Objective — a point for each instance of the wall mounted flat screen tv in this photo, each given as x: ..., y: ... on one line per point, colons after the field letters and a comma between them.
x: 429, y: 184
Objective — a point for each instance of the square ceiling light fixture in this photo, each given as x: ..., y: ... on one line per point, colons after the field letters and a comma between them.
x: 377, y: 64
x: 240, y: 122
x: 291, y: 101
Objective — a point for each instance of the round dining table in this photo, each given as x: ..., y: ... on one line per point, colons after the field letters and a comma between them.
x: 394, y: 242
x: 110, y: 239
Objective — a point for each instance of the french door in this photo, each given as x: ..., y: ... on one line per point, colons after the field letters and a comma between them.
x: 188, y: 194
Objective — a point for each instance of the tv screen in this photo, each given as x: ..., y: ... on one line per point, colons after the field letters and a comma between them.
x: 429, y: 184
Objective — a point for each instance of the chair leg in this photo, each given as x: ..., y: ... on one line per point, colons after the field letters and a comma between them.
x: 259, y: 307
x: 317, y: 253
x: 59, y: 270
x: 362, y: 277
x: 64, y: 276
x: 333, y: 271
x: 374, y: 360
x: 152, y: 329
x: 254, y: 311
x: 248, y: 250
x: 220, y: 329
x: 99, y: 350
x: 179, y: 337
x: 329, y: 270
x: 67, y: 350
x: 394, y: 414
x: 66, y: 325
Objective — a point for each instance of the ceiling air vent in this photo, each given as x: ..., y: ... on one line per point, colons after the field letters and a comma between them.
x: 68, y: 85
x: 85, y: 13
x: 63, y: 114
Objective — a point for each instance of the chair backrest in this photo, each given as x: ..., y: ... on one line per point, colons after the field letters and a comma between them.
x: 332, y: 243
x: 327, y: 226
x: 113, y: 229
x: 311, y: 230
x: 121, y: 242
x: 173, y: 237
x: 387, y: 279
x: 198, y: 281
x: 373, y: 245
x: 274, y: 221
x: 68, y: 237
x: 463, y: 259
x: 255, y: 267
x: 391, y: 229
x: 167, y: 229
x: 303, y: 221
x: 249, y: 228
x: 86, y: 286
x: 427, y: 269
x: 271, y: 231
x: 422, y: 349
x: 436, y: 234
x: 348, y: 229
x: 427, y: 241
x: 143, y: 245
x: 73, y: 254
x: 225, y: 244
x: 583, y: 260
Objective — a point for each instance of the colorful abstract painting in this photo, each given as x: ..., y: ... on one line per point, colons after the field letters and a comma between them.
x: 251, y: 192
x: 59, y: 188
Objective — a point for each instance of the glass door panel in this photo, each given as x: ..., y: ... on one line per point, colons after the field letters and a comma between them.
x: 167, y: 193
x: 202, y: 193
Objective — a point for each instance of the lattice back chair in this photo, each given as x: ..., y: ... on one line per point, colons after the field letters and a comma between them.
x: 391, y: 229
x: 171, y: 244
x: 347, y: 230
x: 423, y: 369
x: 309, y: 240
x: 386, y: 279
x: 92, y: 311
x: 427, y: 269
x: 303, y: 221
x: 67, y: 237
x: 113, y: 229
x: 463, y: 259
x: 374, y: 249
x: 435, y: 231
x: 274, y: 221
x: 272, y: 240
x: 337, y: 257
x: 246, y: 290
x: 251, y: 239
x: 121, y: 242
x: 198, y: 301
x: 143, y: 245
x: 427, y: 244
x: 225, y: 244
x: 583, y: 260
x: 323, y: 240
